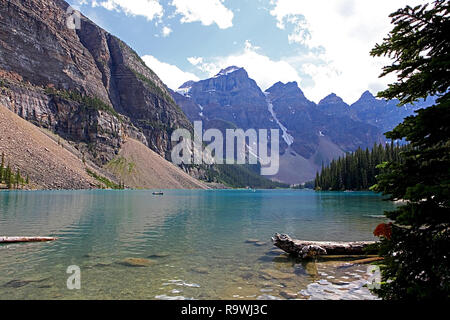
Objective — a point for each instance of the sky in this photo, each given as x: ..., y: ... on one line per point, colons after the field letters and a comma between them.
x: 323, y: 45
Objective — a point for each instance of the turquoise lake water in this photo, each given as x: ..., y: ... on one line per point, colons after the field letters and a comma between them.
x: 193, y: 244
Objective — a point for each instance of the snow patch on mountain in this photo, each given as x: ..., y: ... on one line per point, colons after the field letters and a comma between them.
x: 227, y: 71
x: 286, y: 136
x: 184, y: 91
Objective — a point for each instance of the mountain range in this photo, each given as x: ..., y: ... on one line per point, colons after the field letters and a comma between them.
x: 312, y: 134
x: 112, y: 116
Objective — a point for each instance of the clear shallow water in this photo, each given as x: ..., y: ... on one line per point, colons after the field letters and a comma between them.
x: 196, y: 243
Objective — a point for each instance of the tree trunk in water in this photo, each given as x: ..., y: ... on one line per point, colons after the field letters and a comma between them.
x: 25, y: 239
x: 309, y: 249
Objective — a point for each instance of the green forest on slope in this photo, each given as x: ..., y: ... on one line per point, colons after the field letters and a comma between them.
x: 357, y: 170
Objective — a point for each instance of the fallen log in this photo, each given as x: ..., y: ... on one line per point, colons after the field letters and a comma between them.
x: 25, y: 239
x: 309, y: 249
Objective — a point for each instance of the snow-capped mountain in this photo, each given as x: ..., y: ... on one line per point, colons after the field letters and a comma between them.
x: 310, y: 134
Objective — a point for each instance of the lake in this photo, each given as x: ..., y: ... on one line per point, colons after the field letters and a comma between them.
x: 185, y: 244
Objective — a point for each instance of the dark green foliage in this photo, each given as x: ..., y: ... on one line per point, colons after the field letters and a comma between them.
x: 241, y: 176
x: 306, y: 185
x: 358, y: 170
x: 419, y: 45
x: 417, y: 262
x: 105, y: 181
x: 2, y: 164
x: 18, y: 179
x: 309, y: 184
x: 10, y: 179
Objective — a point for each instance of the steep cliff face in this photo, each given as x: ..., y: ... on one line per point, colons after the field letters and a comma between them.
x: 297, y: 114
x: 85, y: 84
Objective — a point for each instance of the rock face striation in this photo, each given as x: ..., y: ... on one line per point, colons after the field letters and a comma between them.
x: 84, y: 84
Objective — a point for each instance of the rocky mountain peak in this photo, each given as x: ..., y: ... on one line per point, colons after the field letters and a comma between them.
x: 367, y: 96
x: 187, y: 84
x: 230, y: 70
x: 291, y: 89
x: 331, y: 99
x: 185, y: 88
x: 333, y: 105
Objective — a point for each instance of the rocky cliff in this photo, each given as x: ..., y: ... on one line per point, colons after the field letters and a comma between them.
x: 84, y: 84
x: 231, y: 96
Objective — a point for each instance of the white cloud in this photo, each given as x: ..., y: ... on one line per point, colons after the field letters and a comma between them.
x: 166, y: 31
x: 345, y: 31
x: 261, y: 68
x: 150, y: 9
x: 171, y: 75
x: 205, y: 11
x: 195, y: 60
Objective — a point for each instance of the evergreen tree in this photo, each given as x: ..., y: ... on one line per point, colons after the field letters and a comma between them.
x: 8, y: 177
x: 416, y: 245
x: 2, y: 165
x: 356, y: 171
x: 18, y: 179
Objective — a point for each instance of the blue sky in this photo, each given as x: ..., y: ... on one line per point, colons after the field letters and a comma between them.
x: 323, y: 45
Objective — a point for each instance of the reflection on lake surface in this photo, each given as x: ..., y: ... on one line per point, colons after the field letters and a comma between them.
x: 185, y: 244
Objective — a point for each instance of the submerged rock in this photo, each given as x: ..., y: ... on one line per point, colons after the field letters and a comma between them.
x: 159, y: 255
x: 276, y: 252
x: 260, y: 243
x: 21, y: 283
x: 15, y: 284
x: 247, y: 276
x: 201, y: 270
x: 283, y: 259
x: 136, y: 262
x: 288, y: 295
x: 277, y: 274
x: 102, y: 264
x: 45, y: 286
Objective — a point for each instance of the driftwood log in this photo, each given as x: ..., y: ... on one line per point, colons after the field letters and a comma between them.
x: 25, y: 239
x: 309, y: 249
